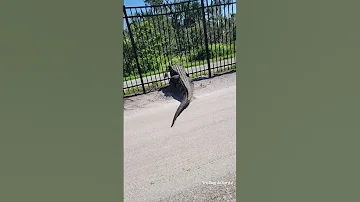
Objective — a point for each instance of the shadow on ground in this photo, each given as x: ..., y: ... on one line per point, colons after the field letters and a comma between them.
x: 170, y: 91
x: 175, y: 93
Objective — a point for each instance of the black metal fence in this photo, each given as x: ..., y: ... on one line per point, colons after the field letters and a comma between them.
x: 199, y: 34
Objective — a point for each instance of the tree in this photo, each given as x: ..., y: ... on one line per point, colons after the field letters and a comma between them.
x: 153, y: 2
x: 170, y: 31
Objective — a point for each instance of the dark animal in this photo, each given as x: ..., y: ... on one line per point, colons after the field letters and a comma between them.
x: 180, y: 79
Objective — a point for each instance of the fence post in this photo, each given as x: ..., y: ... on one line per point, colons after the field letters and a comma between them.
x: 134, y: 48
x: 206, y: 37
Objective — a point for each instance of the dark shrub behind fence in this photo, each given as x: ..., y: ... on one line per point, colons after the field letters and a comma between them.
x: 199, y: 34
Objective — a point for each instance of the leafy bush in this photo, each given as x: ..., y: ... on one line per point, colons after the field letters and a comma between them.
x: 165, y: 37
x: 215, y: 50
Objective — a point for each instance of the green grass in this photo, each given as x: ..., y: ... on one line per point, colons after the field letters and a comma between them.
x: 177, y: 59
x: 199, y: 74
x: 156, y: 85
x: 138, y: 89
x: 221, y: 70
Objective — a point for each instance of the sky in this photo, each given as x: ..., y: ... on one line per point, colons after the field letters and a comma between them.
x: 141, y: 3
x: 134, y: 2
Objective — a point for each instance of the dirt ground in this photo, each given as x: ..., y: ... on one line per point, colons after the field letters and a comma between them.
x: 195, y: 160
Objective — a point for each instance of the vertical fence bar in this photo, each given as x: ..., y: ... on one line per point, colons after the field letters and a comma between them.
x: 205, y: 37
x: 134, y: 48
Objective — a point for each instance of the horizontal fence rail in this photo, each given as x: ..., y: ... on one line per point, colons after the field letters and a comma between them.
x: 198, y: 34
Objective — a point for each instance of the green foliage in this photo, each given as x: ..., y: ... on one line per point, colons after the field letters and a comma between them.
x: 153, y: 2
x: 162, y: 39
x: 215, y: 50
